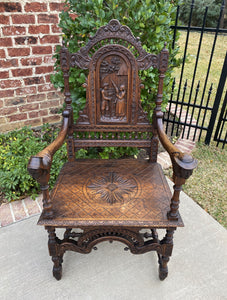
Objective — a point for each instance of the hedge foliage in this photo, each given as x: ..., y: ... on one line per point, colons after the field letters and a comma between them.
x: 199, y: 10
x: 16, y: 148
x: 149, y: 20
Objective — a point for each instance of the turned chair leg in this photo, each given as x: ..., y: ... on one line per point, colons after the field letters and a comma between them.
x: 173, y: 214
x: 53, y: 250
x: 57, y: 268
x: 164, y: 259
x: 163, y: 269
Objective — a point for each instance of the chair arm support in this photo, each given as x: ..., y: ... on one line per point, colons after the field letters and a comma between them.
x: 40, y: 164
x: 183, y: 163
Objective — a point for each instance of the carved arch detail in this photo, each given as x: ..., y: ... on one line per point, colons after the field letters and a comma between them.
x: 113, y: 89
x: 114, y: 30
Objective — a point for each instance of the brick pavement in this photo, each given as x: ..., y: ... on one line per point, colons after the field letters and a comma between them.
x: 19, y: 210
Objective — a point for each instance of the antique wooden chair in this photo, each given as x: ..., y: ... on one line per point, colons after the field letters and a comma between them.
x: 111, y: 199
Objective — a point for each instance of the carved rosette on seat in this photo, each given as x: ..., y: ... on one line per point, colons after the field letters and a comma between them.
x: 112, y: 187
x: 111, y: 200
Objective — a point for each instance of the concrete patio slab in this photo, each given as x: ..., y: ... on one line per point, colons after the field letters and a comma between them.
x: 197, y: 269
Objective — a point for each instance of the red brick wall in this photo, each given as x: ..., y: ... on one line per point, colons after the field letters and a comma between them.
x: 28, y: 35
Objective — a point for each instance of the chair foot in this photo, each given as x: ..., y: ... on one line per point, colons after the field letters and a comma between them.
x: 57, y: 269
x: 163, y: 273
x: 57, y: 272
x: 163, y: 269
x: 57, y: 258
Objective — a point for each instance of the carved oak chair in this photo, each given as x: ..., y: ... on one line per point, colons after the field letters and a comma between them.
x: 111, y: 199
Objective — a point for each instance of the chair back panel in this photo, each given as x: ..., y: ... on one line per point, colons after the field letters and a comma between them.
x: 113, y: 57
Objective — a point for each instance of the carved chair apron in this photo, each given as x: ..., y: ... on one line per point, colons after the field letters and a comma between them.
x: 98, y: 200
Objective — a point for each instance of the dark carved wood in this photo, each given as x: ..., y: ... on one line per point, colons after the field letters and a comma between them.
x: 98, y: 200
x: 164, y: 258
x: 39, y: 165
x: 114, y: 30
x: 87, y: 239
x: 154, y: 149
x: 112, y: 187
x: 53, y: 245
x: 107, y: 192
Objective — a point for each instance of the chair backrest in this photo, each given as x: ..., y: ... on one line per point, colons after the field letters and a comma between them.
x: 113, y: 57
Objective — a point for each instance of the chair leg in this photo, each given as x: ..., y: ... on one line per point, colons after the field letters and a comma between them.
x: 57, y: 268
x: 53, y: 250
x: 163, y: 269
x: 164, y: 259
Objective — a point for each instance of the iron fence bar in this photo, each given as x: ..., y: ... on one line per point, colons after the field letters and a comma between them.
x: 219, y: 139
x: 192, y: 125
x: 175, y: 27
x: 170, y: 104
x: 193, y: 109
x: 184, y: 58
x: 218, y: 131
x: 195, y: 28
x: 217, y: 101
x: 196, y: 64
x: 192, y: 105
x: 210, y: 61
x: 221, y: 116
x: 225, y: 141
x: 205, y: 112
x: 181, y: 108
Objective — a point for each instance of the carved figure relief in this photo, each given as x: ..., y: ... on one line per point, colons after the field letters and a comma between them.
x: 113, y: 85
x: 120, y: 101
x: 105, y: 101
x: 113, y: 81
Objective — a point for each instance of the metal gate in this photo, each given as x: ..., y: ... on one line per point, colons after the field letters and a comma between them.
x: 193, y: 114
x: 221, y: 130
x: 221, y: 125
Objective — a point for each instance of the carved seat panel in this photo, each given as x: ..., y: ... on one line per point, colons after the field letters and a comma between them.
x: 111, y: 192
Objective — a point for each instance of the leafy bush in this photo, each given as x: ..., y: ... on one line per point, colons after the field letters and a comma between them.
x: 150, y: 20
x: 16, y: 147
x: 199, y: 10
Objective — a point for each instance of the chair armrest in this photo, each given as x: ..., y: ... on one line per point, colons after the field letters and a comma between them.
x: 40, y: 164
x: 183, y: 163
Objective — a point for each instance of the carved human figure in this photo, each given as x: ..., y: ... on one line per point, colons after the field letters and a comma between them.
x: 105, y: 100
x: 120, y: 101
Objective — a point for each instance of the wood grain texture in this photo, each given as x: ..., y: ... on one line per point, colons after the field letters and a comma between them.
x: 111, y: 192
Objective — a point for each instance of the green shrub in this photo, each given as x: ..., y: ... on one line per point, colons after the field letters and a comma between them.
x: 16, y: 147
x: 199, y: 10
x: 150, y: 20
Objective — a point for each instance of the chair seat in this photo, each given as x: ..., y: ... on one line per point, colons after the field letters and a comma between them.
x: 124, y: 192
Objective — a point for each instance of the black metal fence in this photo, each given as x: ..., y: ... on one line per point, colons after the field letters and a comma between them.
x: 191, y: 104
x: 221, y: 131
